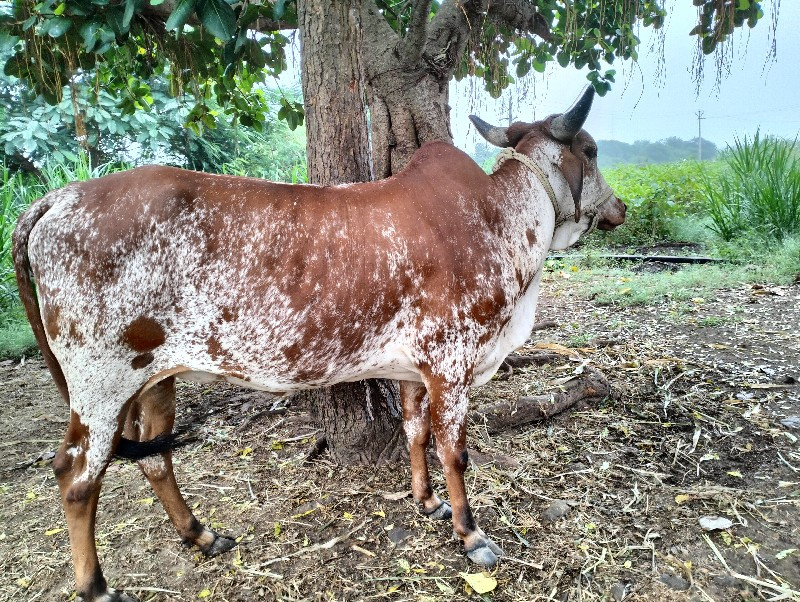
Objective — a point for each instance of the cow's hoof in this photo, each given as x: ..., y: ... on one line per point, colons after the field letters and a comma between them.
x: 220, y: 545
x: 443, y: 512
x: 485, y: 554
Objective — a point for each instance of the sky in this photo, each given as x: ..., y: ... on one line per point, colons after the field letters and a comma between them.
x: 644, y: 104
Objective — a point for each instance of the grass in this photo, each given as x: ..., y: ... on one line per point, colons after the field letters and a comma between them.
x: 608, y: 283
x: 16, y: 337
x: 759, y: 192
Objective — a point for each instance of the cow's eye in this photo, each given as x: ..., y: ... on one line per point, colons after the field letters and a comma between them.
x: 591, y: 152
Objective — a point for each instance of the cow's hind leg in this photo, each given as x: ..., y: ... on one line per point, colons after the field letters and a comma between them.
x: 79, y: 466
x: 449, y: 420
x: 417, y: 425
x: 150, y: 415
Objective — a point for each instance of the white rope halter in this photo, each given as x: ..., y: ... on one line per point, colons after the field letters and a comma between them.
x: 509, y: 153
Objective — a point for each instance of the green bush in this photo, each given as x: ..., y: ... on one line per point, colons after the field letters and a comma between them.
x: 658, y: 198
x: 759, y: 191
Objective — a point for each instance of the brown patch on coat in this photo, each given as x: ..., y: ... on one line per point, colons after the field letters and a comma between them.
x: 531, y: 236
x: 74, y: 333
x: 142, y: 360
x: 215, y: 350
x: 51, y: 322
x: 143, y: 334
x: 488, y: 307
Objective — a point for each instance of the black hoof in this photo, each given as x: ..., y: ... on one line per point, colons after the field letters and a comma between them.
x: 443, y: 512
x: 486, y: 553
x: 220, y: 545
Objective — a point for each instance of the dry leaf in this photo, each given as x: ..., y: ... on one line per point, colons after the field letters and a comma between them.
x: 480, y: 582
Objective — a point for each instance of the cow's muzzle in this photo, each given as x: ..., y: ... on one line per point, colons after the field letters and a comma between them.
x: 611, y: 214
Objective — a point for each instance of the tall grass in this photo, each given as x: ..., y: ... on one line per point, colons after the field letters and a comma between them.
x: 759, y: 192
x: 18, y: 191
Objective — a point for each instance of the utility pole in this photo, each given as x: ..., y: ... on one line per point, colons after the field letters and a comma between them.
x: 699, y: 135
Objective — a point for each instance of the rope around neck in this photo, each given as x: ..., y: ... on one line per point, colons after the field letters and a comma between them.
x: 510, y: 153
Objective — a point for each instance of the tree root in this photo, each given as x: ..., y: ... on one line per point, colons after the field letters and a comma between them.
x: 590, y: 386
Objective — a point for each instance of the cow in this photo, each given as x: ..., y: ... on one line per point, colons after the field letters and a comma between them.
x: 429, y: 277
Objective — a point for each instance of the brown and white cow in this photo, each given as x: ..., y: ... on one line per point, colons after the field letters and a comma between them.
x: 429, y: 277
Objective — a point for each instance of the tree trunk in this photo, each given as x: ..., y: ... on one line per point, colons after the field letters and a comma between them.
x: 361, y: 421
x: 333, y: 91
x: 405, y: 119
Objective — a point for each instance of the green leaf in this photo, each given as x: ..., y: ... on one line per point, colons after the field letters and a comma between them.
x: 130, y: 5
x: 279, y: 9
x: 60, y: 9
x: 183, y: 10
x: 58, y: 26
x: 217, y: 18
x: 88, y: 31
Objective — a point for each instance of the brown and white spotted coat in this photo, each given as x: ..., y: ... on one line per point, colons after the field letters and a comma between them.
x: 429, y: 277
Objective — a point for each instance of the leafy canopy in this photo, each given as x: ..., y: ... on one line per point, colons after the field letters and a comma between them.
x: 226, y: 49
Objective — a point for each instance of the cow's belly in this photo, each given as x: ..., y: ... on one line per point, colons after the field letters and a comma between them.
x: 513, y: 335
x: 270, y: 373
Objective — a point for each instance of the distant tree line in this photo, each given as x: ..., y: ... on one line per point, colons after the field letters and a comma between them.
x: 613, y: 152
x: 643, y: 152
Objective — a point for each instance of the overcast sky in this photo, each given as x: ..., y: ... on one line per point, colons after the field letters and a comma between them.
x: 643, y: 105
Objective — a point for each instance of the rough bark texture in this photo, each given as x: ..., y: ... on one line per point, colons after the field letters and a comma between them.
x: 360, y: 420
x: 333, y: 91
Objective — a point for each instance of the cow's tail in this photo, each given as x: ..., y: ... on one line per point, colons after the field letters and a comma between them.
x: 27, y: 290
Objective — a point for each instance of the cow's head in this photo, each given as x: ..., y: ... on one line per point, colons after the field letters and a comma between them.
x: 568, y: 156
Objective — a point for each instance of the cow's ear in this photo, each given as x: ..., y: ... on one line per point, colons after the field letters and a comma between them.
x: 572, y: 168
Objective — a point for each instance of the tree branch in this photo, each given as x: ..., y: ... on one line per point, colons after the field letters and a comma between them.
x: 449, y: 32
x: 520, y: 15
x: 414, y: 41
x: 162, y: 11
x: 591, y: 386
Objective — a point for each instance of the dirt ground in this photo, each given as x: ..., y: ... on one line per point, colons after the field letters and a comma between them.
x: 703, y: 421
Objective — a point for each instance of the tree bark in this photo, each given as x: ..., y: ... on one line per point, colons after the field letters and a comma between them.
x: 333, y: 91
x: 361, y: 421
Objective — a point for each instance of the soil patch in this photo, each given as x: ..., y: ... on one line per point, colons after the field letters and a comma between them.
x: 599, y: 504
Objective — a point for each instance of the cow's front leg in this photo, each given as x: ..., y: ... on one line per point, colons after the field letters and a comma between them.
x: 449, y: 420
x: 417, y: 425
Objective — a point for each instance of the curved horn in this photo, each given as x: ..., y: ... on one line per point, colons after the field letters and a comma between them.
x: 567, y: 125
x: 494, y: 135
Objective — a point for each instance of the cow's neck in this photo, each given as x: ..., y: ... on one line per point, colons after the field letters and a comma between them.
x: 524, y: 197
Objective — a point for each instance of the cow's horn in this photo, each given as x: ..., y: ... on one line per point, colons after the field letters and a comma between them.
x: 567, y: 125
x: 495, y: 135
